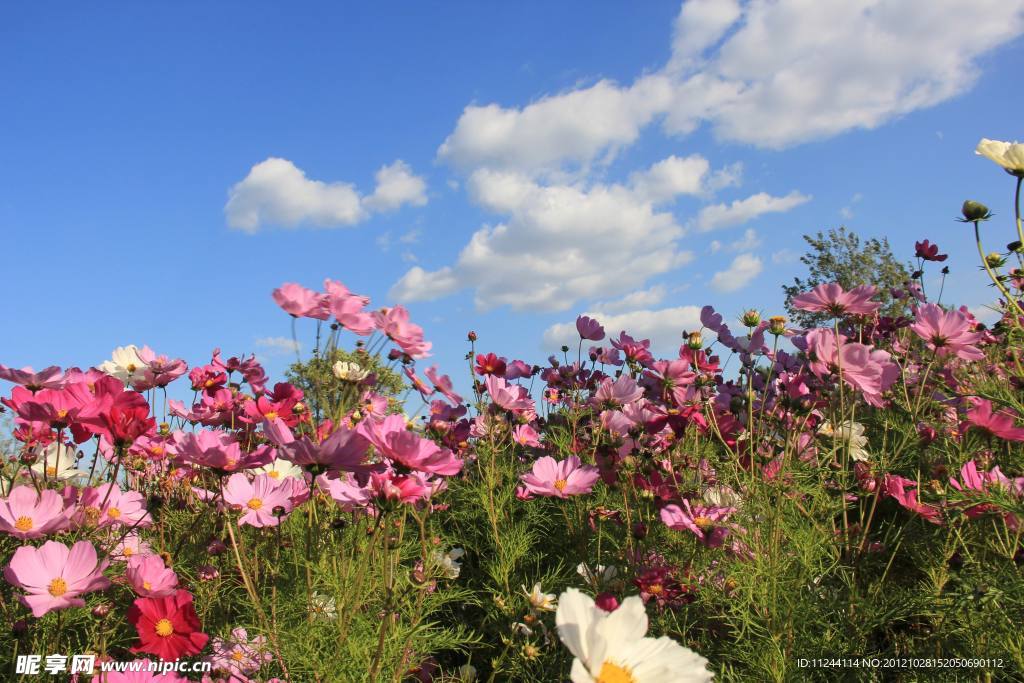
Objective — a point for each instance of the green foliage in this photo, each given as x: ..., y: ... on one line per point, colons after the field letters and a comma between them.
x: 325, y: 393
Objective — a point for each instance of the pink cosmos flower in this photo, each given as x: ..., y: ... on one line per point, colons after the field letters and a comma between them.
x: 149, y: 577
x: 393, y: 440
x: 443, y: 383
x: 344, y: 449
x: 131, y: 545
x: 259, y: 498
x: 238, y: 655
x: 525, y: 435
x: 904, y: 492
x: 27, y: 514
x: 106, y: 506
x: 866, y: 369
x: 300, y: 302
x: 589, y: 328
x: 832, y: 299
x: 998, y: 424
x: 47, y: 378
x: 159, y: 371
x: 345, y: 491
x: 638, y: 351
x: 219, y: 451
x: 509, y: 396
x: 402, y: 488
x: 394, y: 322
x: 947, y: 332
x: 560, y: 479
x: 54, y: 576
x: 928, y: 251
x: 702, y: 520
x: 347, y: 308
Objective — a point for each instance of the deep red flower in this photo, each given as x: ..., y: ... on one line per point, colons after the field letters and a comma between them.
x: 490, y: 364
x: 928, y: 251
x: 121, y: 419
x: 168, y: 627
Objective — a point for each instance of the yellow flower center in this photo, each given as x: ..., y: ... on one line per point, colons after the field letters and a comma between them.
x: 130, y: 367
x: 613, y: 673
x: 255, y: 504
x: 127, y: 552
x: 274, y: 474
x: 164, y: 628
x: 23, y: 524
x: 62, y: 413
x: 655, y: 589
x: 147, y: 585
x: 703, y: 523
x: 113, y: 513
x: 91, y: 514
x: 272, y: 415
x: 157, y: 451
x: 561, y: 484
x: 237, y: 655
x: 51, y: 471
x: 58, y: 587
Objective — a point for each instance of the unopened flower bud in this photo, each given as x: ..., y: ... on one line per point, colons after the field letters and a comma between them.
x: 695, y: 341
x: 607, y: 602
x: 777, y: 324
x: 207, y: 572
x: 564, y: 348
x: 19, y: 627
x: 471, y: 336
x: 216, y: 547
x: 975, y: 211
x: 995, y: 260
x: 530, y: 651
x: 101, y: 610
x: 751, y: 318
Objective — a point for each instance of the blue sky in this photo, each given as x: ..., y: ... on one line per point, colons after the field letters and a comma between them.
x: 614, y: 158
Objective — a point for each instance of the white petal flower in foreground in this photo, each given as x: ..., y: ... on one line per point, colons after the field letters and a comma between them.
x: 610, y: 647
x: 1009, y: 155
x: 57, y: 461
x: 125, y: 364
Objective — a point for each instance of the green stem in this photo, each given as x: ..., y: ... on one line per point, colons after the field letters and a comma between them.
x: 992, y: 275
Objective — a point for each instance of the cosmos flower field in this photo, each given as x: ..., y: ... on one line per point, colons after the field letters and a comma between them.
x: 764, y: 501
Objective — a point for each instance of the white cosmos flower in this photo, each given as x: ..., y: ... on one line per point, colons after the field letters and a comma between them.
x: 449, y: 562
x: 125, y: 364
x: 853, y: 432
x: 539, y: 600
x: 610, y: 647
x: 323, y: 605
x: 57, y: 461
x: 722, y: 496
x: 467, y: 673
x: 1009, y: 155
x: 278, y: 469
x: 598, y: 574
x: 350, y: 372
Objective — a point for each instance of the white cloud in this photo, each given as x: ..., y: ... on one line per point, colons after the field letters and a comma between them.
x: 274, y: 346
x: 276, y: 192
x: 744, y: 210
x: 771, y: 74
x: 784, y: 256
x: 750, y: 240
x: 847, y: 211
x: 671, y: 177
x: 740, y: 272
x: 559, y: 243
x: 396, y: 185
x: 664, y: 327
x: 578, y: 126
x: 642, y: 298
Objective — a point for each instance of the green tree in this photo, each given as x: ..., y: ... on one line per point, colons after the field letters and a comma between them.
x: 840, y: 256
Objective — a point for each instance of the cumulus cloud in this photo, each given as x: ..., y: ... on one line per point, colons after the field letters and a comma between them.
x: 273, y: 346
x: 738, y: 275
x: 742, y: 211
x: 557, y: 244
x: 277, y: 193
x: 642, y: 298
x: 664, y: 327
x: 771, y: 74
x: 671, y: 177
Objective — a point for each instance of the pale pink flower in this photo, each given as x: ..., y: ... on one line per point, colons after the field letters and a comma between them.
x: 525, y: 435
x: 54, y: 576
x: 395, y: 323
x: 106, y: 506
x: 300, y: 302
x: 343, y: 449
x: 997, y: 423
x: 47, y: 378
x: 150, y: 577
x: 393, y: 440
x: 509, y: 396
x: 832, y: 299
x: 28, y: 514
x: 347, y: 308
x: 704, y: 521
x: 264, y: 501
x: 947, y: 332
x: 560, y: 479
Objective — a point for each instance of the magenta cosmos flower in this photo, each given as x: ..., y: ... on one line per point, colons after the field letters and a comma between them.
x: 27, y: 514
x: 47, y: 378
x: 589, y: 328
x: 831, y: 298
x: 54, y: 576
x: 106, y: 505
x: 259, y: 498
x: 345, y: 449
x: 560, y: 479
x: 150, y: 577
x: 392, y: 438
x: 947, y: 332
x: 703, y: 520
x: 996, y: 423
